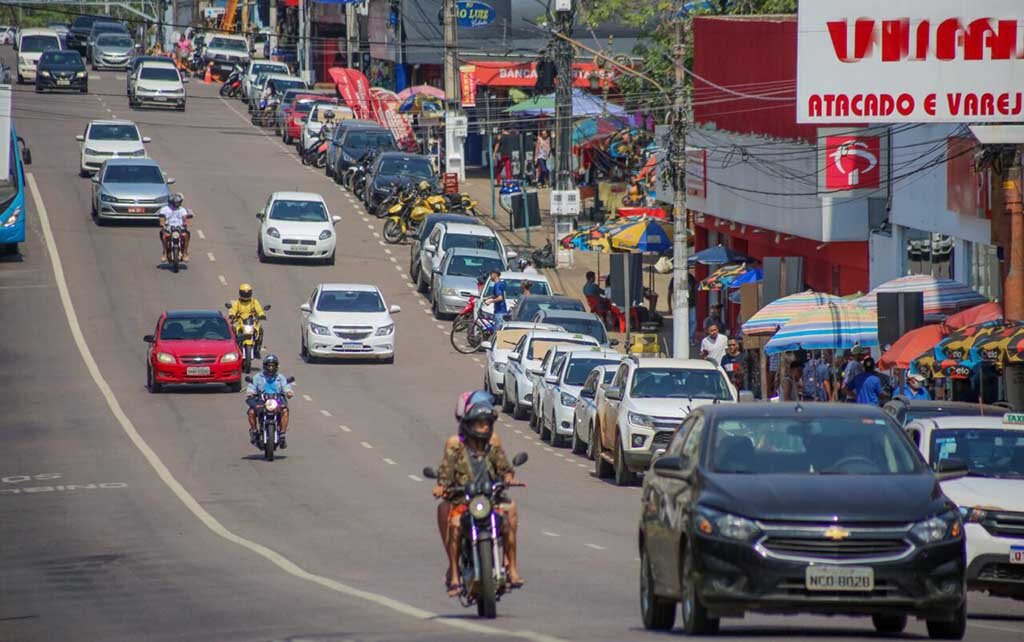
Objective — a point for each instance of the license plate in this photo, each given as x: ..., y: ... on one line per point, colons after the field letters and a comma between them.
x: 160, y: 99
x: 136, y: 210
x: 351, y: 345
x: 840, y: 578
x: 197, y: 371
x: 63, y: 83
x: 1017, y: 555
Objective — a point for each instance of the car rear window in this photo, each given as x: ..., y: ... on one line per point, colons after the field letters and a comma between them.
x: 479, y: 242
x: 35, y: 44
x: 159, y: 73
x: 416, y: 167
x: 132, y: 174
x: 473, y: 266
x: 195, y: 329
x: 590, y: 327
x: 366, y: 139
x: 581, y: 367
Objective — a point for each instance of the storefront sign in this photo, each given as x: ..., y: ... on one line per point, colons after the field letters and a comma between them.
x: 469, y: 83
x: 513, y: 74
x: 852, y: 162
x: 472, y: 14
x: 883, y: 61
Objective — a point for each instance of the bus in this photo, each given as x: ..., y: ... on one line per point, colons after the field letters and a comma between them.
x: 12, y: 194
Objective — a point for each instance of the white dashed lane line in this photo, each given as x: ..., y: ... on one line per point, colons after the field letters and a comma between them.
x: 202, y: 236
x: 366, y: 444
x: 325, y: 413
x: 344, y: 428
x: 440, y: 327
x: 386, y: 250
x: 390, y: 462
x: 595, y: 547
x: 307, y: 397
x: 415, y: 478
x: 398, y: 267
x: 210, y: 256
x: 223, y: 281
x: 549, y: 534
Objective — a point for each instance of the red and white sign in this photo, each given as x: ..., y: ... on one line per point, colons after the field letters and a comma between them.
x: 852, y: 162
x: 524, y: 74
x: 910, y: 61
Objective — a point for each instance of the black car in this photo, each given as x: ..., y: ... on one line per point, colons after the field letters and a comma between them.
x: 527, y: 307
x: 352, y: 139
x: 905, y: 410
x: 61, y: 70
x: 396, y: 169
x: 78, y: 37
x: 790, y: 508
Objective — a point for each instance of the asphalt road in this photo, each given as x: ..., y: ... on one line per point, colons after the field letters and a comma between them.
x: 142, y: 516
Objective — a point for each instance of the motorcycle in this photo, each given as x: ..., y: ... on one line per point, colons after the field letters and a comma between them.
x: 250, y: 337
x: 355, y: 176
x: 405, y: 216
x: 315, y: 153
x: 544, y: 257
x: 176, y: 247
x: 461, y: 203
x: 265, y: 115
x: 268, y: 420
x: 482, y: 568
x: 232, y: 87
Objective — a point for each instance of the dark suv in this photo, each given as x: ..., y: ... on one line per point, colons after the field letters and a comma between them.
x: 787, y: 508
x: 78, y: 36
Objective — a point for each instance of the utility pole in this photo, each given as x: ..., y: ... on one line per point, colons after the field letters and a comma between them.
x: 1013, y: 300
x: 352, y: 36
x: 454, y: 139
x: 563, y: 99
x: 677, y: 156
x: 161, y: 8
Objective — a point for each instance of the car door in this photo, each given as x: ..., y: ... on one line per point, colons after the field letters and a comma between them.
x: 552, y: 390
x: 653, y: 505
x: 96, y: 187
x: 515, y: 365
x: 437, y: 279
x: 584, y: 404
x: 609, y: 411
x: 427, y: 254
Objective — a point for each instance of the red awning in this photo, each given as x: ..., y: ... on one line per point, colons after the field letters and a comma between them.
x: 524, y: 74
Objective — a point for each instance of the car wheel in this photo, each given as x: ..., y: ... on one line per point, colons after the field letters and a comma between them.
x: 556, y: 439
x: 578, y: 447
x: 260, y: 254
x: 602, y: 469
x: 542, y: 426
x: 329, y: 170
x: 506, y: 402
x: 889, y: 624
x: 623, y: 475
x: 657, y: 614
x: 304, y: 352
x: 85, y: 89
x: 235, y: 387
x: 949, y: 629
x: 696, y: 620
x: 330, y: 259
x: 152, y: 384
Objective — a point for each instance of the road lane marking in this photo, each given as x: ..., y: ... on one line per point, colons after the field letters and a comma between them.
x: 201, y: 235
x: 393, y: 259
x: 583, y: 465
x: 518, y: 432
x: 223, y: 281
x: 440, y: 327
x: 386, y: 250
x: 365, y: 444
x: 307, y: 397
x: 415, y: 478
x: 213, y: 259
x: 595, y: 547
x: 382, y: 243
x: 325, y: 413
x: 376, y: 234
x: 388, y: 460
x: 550, y: 534
x: 193, y: 505
x: 398, y: 267
x: 344, y: 428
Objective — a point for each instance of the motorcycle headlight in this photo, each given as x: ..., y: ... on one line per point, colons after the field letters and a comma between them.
x: 726, y: 525
x: 271, y: 405
x: 272, y: 231
x: 500, y: 366
x: 326, y: 234
x: 230, y: 357
x: 164, y: 357
x: 479, y: 507
x: 568, y: 400
x: 13, y: 219
x: 175, y: 234
x: 107, y: 198
x: 44, y: 74
x: 638, y: 419
x: 322, y: 330
x: 248, y: 329
x: 938, y: 528
x: 385, y: 330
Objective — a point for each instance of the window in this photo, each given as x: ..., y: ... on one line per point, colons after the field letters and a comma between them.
x: 162, y: 73
x: 513, y: 288
x: 266, y: 67
x: 691, y: 445
x: 556, y: 367
x: 928, y: 253
x: 473, y: 266
x: 541, y: 346
x: 139, y: 174
x: 369, y: 139
x: 680, y: 383
x: 227, y: 43
x: 123, y: 133
x: 579, y: 367
x: 474, y: 241
x: 986, y: 276
x: 300, y: 211
x: 621, y: 376
x: 406, y: 166
x: 114, y: 40
x: 590, y: 327
x: 36, y: 44
x: 350, y: 301
x: 987, y: 453
x: 195, y: 329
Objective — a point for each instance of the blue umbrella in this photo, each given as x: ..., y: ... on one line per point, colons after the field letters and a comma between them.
x: 750, y: 276
x: 717, y: 256
x: 583, y: 104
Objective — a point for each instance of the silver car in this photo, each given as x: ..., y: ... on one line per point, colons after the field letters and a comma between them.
x: 112, y: 51
x: 455, y: 279
x: 129, y: 189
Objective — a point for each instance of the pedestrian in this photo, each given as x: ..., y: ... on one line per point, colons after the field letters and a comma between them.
x: 526, y: 289
x: 502, y: 153
x: 541, y: 154
x: 817, y: 379
x: 914, y: 388
x: 867, y: 386
x: 591, y: 288
x: 792, y: 382
x: 713, y: 346
x: 497, y: 298
x: 715, y: 318
x: 852, y: 368
x: 732, y: 363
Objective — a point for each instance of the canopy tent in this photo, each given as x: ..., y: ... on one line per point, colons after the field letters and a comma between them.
x: 583, y: 104
x: 717, y: 255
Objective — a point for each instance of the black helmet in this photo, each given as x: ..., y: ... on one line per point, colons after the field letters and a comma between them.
x: 481, y: 410
x: 176, y: 199
x: 270, y: 365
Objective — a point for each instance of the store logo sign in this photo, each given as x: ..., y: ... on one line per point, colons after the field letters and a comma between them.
x: 852, y: 162
x: 472, y: 14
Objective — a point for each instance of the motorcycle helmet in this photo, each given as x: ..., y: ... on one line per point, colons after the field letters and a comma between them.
x: 470, y: 426
x: 176, y: 199
x: 328, y: 114
x: 423, y: 187
x: 270, y: 365
x: 245, y: 293
x: 468, y: 398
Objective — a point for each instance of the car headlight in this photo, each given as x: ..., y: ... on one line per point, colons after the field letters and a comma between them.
x: 973, y: 515
x: 501, y: 366
x: 385, y: 330
x: 449, y: 292
x: 322, y: 330
x: 81, y: 74
x: 326, y: 234
x: 164, y: 357
x: 91, y: 151
x: 725, y: 525
x: 567, y: 399
x: 637, y: 419
x: 107, y: 198
x: 138, y: 153
x: 479, y: 507
x: 938, y: 528
x: 13, y: 219
x: 230, y: 357
x: 272, y: 231
x: 44, y: 74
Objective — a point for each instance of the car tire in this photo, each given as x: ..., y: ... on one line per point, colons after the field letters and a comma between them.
x: 85, y: 89
x: 506, y: 405
x: 39, y: 89
x: 304, y: 352
x: 889, y: 624
x: 557, y: 441
x: 330, y: 259
x: 287, y: 139
x: 657, y: 614
x: 414, y: 271
x: 433, y: 309
x: 602, y: 469
x: 151, y: 382
x: 329, y: 171
x: 542, y: 427
x: 235, y: 387
x: 949, y: 629
x: 696, y: 620
x: 260, y: 254
x: 623, y: 475
x: 578, y: 447
x: 518, y: 411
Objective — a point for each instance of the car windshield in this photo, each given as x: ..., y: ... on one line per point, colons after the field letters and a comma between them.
x: 473, y: 266
x: 350, y: 301
x: 589, y: 327
x: 514, y: 287
x: 811, y: 445
x: 406, y: 166
x: 35, y: 44
x: 581, y: 367
x: 367, y: 139
x: 479, y: 242
x: 132, y: 174
x: 62, y: 58
x: 680, y: 383
x: 195, y: 328
x: 540, y: 347
x: 114, y: 40
x: 987, y: 453
x: 159, y: 73
x: 302, y: 211
x: 227, y: 43
x: 528, y: 308
x: 283, y: 85
x: 124, y: 133
x: 269, y: 67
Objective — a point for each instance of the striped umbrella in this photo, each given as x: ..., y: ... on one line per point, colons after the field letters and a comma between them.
x: 723, y: 276
x: 774, y: 315
x: 942, y: 297
x: 832, y: 326
x: 1004, y: 343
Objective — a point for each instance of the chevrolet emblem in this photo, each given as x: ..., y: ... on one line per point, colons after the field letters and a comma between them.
x: 835, y: 533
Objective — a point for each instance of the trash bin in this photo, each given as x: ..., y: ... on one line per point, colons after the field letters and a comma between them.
x: 523, y: 204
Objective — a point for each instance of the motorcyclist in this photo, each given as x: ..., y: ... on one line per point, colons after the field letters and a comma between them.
x: 329, y: 124
x: 476, y: 442
x: 272, y: 382
x: 174, y: 215
x: 245, y: 306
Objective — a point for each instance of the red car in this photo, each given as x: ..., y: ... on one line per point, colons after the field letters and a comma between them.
x: 191, y: 347
x: 294, y: 116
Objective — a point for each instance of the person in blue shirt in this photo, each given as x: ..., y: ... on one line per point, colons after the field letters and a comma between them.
x: 269, y: 381
x: 867, y: 386
x: 914, y: 388
x: 497, y: 298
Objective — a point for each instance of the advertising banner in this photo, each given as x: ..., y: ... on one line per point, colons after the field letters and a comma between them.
x: 884, y: 61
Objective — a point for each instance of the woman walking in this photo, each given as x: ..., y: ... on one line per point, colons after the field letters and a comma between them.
x: 541, y: 154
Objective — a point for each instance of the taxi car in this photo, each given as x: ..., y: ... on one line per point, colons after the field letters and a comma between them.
x: 193, y: 347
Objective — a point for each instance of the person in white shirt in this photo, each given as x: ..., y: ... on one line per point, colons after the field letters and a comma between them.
x: 174, y: 215
x: 713, y: 345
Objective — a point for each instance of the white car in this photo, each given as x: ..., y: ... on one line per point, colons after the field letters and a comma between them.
x: 225, y: 50
x: 8, y: 35
x: 447, y: 235
x: 524, y: 362
x: 315, y: 121
x: 158, y: 85
x: 584, y: 416
x: 991, y: 497
x: 106, y: 139
x: 347, y: 320
x: 513, y: 288
x: 257, y: 67
x: 644, y: 405
x: 31, y: 45
x: 560, y: 392
x: 498, y: 348
x: 296, y: 225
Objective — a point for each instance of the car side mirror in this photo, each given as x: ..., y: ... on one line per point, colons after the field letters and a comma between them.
x: 336, y: 219
x: 171, y: 180
x: 670, y: 465
x: 513, y: 356
x: 149, y: 338
x: 520, y: 459
x: 552, y: 379
x: 80, y: 138
x: 267, y: 307
x: 535, y: 371
x: 260, y: 215
x: 305, y: 308
x: 146, y: 139
x: 613, y: 342
x: 511, y: 254
x: 746, y: 396
x: 26, y: 155
x: 613, y: 393
x: 95, y: 179
x: 429, y: 473
x: 248, y: 379
x: 486, y: 345
x: 949, y: 469
x: 395, y: 309
x: 587, y: 394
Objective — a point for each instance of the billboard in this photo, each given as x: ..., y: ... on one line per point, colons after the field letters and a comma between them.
x: 885, y: 61
x: 852, y: 164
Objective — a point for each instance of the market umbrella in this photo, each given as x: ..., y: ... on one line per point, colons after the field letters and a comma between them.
x: 723, y: 277
x: 421, y: 89
x: 910, y: 346
x: 832, y: 326
x: 1004, y: 343
x: 958, y: 345
x: 717, y: 255
x: 593, y: 238
x: 590, y: 128
x: 640, y: 234
x: 774, y: 315
x: 752, y: 275
x: 942, y: 297
x: 978, y: 314
x: 421, y: 103
x: 583, y: 104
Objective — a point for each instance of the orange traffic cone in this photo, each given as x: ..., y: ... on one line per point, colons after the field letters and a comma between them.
x: 208, y: 78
